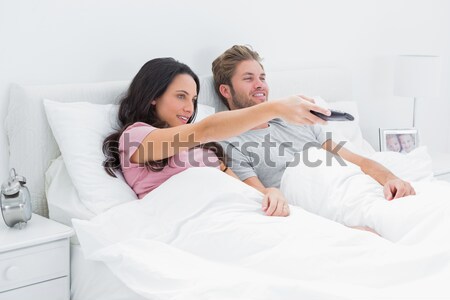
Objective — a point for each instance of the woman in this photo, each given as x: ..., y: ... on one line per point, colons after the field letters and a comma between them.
x: 157, y: 138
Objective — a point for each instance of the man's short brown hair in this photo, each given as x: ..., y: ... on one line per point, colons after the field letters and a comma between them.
x: 223, y: 67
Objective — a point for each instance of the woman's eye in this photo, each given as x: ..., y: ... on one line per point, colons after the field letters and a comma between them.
x: 180, y: 96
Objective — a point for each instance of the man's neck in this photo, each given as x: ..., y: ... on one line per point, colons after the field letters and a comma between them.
x: 261, y: 126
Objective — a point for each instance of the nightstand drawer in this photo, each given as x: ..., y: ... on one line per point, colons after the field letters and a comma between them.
x: 57, y: 289
x: 34, y: 264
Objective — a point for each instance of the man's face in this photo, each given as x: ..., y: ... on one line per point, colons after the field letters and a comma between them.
x: 248, y: 85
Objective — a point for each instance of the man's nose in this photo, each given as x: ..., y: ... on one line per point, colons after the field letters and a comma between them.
x: 259, y: 84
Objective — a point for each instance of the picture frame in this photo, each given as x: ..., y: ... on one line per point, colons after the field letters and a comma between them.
x: 399, y: 140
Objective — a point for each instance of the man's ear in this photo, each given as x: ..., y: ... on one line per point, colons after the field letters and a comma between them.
x: 224, y: 89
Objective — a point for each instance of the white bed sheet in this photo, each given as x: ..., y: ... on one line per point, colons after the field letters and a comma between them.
x: 91, y: 280
x: 195, y: 239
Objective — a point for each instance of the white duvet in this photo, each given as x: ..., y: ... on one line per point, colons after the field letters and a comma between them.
x: 348, y: 196
x: 202, y: 235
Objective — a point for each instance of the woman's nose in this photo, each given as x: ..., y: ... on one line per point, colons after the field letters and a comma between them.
x: 189, y: 107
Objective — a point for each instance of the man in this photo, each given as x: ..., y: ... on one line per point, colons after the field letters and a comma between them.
x: 260, y: 156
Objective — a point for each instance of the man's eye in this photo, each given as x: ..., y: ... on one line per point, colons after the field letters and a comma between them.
x: 247, y: 78
x: 263, y: 79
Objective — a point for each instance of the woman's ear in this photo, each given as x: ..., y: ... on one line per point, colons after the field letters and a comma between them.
x: 153, y: 102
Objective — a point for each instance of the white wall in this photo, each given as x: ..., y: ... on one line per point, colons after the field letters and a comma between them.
x: 62, y: 41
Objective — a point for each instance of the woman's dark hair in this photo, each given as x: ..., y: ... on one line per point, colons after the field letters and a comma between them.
x: 149, y: 84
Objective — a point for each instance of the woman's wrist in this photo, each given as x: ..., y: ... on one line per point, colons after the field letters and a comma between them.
x: 223, y: 167
x: 268, y: 110
x: 275, y: 108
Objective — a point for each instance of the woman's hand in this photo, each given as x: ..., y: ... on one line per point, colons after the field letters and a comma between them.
x: 297, y: 110
x: 274, y: 203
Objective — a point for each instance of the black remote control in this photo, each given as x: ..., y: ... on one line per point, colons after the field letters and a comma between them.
x: 336, y: 115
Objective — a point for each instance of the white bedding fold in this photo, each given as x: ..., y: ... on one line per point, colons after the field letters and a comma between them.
x: 202, y: 235
x: 348, y: 196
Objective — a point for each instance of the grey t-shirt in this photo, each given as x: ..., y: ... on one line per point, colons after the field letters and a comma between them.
x: 267, y: 152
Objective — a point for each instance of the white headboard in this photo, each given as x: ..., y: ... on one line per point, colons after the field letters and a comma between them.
x: 32, y: 146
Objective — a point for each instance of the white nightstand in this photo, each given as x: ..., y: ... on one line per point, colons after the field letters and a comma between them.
x: 35, y: 261
x: 441, y: 166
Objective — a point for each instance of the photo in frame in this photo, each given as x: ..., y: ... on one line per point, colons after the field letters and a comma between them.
x: 399, y: 140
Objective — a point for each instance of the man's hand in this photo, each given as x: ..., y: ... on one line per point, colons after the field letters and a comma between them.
x: 397, y: 188
x: 394, y: 187
x: 274, y: 203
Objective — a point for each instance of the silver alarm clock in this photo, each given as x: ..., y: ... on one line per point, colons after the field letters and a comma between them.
x: 15, y: 201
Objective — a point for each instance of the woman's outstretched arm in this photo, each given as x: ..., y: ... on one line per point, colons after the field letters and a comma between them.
x: 162, y: 143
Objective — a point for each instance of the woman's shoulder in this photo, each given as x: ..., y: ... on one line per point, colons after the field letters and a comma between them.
x: 139, y: 124
x: 136, y: 132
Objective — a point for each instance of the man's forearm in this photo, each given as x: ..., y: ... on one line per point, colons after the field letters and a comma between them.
x: 377, y: 171
x: 256, y: 183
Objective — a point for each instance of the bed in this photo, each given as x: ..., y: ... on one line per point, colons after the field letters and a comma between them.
x: 198, y: 236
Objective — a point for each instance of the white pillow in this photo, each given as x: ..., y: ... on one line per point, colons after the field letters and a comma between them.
x: 203, y: 111
x: 62, y: 197
x: 79, y: 129
x: 413, y: 166
x: 27, y: 127
x: 348, y: 131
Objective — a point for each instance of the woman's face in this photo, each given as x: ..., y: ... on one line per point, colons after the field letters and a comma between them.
x: 176, y: 105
